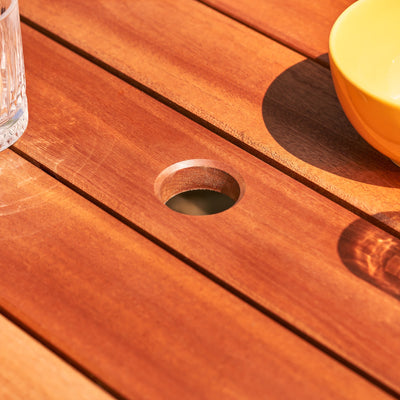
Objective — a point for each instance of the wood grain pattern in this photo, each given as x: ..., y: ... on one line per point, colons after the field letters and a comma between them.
x: 29, y: 370
x: 137, y: 318
x: 278, y: 245
x: 301, y: 24
x: 255, y: 90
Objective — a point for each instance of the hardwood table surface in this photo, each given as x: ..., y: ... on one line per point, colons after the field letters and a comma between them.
x: 107, y: 293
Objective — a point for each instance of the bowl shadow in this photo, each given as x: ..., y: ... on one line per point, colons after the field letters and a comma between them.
x: 302, y: 113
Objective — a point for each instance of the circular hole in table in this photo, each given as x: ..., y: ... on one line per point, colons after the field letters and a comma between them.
x: 199, y: 187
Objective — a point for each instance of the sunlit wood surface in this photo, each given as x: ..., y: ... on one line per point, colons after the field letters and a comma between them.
x: 292, y: 293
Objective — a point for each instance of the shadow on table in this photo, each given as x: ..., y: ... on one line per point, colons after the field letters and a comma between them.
x: 302, y: 113
x: 372, y: 254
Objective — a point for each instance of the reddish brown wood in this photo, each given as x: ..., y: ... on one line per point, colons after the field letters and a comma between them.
x: 134, y: 316
x: 281, y: 244
x: 30, y: 371
x: 301, y: 24
x: 255, y: 90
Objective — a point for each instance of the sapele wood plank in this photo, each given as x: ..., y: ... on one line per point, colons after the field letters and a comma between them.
x: 28, y: 370
x: 134, y: 316
x: 283, y: 245
x: 301, y: 24
x: 256, y: 91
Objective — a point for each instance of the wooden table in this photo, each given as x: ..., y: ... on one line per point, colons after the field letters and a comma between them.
x: 293, y: 293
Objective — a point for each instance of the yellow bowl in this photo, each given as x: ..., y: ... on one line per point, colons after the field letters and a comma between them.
x: 364, y: 53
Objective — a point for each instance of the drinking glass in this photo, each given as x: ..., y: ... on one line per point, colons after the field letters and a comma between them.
x: 13, y: 101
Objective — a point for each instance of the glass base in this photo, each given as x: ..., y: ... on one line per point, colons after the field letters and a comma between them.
x: 13, y: 129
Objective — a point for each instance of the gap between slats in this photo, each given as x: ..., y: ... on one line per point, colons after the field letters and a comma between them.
x: 218, y: 131
x: 63, y: 356
x: 34, y: 352
x: 242, y: 296
x: 8, y: 306
x: 247, y: 148
x: 275, y: 38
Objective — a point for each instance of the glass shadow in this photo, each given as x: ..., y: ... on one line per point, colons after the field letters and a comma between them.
x: 372, y: 254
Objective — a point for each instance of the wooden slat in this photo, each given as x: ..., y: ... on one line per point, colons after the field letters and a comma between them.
x: 279, y: 245
x: 252, y: 88
x: 301, y: 24
x: 134, y: 316
x: 29, y: 370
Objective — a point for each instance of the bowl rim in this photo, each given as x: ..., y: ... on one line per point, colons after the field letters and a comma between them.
x: 332, y: 56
